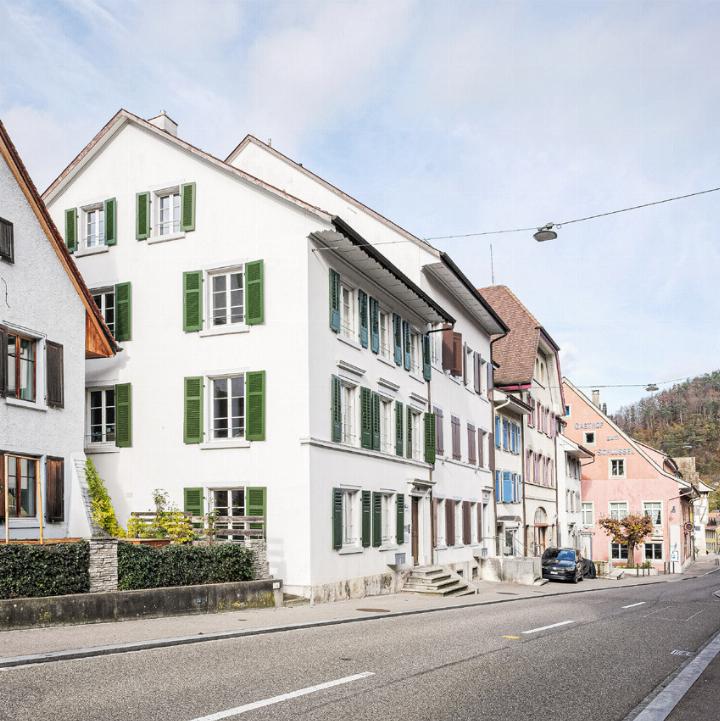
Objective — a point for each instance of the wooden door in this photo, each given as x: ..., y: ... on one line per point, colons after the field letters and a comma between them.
x: 414, y: 530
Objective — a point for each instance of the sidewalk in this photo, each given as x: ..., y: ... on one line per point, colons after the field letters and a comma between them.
x: 90, y: 636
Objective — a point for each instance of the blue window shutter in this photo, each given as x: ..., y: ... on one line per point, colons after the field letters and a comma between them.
x: 406, y: 343
x: 427, y: 368
x: 374, y: 326
x: 507, y: 487
x: 364, y: 329
x: 497, y: 486
x: 334, y: 301
x: 497, y: 431
x: 397, y: 339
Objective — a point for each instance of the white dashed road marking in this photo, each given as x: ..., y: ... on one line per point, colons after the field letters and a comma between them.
x: 545, y: 628
x: 632, y: 605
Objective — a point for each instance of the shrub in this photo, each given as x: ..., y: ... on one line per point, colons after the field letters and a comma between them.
x: 52, y: 570
x: 169, y: 522
x: 101, y: 506
x: 182, y: 565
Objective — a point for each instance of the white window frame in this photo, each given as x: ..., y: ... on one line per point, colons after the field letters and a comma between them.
x: 348, y: 317
x: 351, y: 521
x: 458, y: 523
x: 89, y: 443
x: 388, y: 519
x: 211, y: 507
x: 385, y: 331
x: 210, y: 409
x: 618, y: 503
x: 588, y: 506
x: 619, y: 556
x: 610, y: 468
x: 158, y: 224
x: 99, y: 236
x: 654, y: 544
x: 440, y: 523
x: 349, y: 413
x: 415, y: 353
x: 474, y: 530
x: 586, y: 441
x: 103, y: 293
x: 654, y: 503
x: 210, y: 275
x: 387, y: 426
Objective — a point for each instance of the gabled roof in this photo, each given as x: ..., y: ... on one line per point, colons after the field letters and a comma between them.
x: 122, y: 118
x: 99, y: 341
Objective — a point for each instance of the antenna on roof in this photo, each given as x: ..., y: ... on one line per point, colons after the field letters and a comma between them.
x: 270, y: 142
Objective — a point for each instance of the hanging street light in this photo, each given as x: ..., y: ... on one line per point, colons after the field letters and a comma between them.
x: 651, y: 387
x: 545, y: 233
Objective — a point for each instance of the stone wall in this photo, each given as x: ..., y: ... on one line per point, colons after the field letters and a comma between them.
x: 103, y: 564
x: 260, y: 562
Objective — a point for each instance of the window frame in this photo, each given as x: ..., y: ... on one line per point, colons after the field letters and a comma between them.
x: 624, y: 504
x: 385, y: 350
x: 416, y: 358
x: 585, y: 507
x: 351, y: 510
x: 37, y: 379
x: 102, y: 293
x: 418, y: 436
x: 209, y: 277
x: 586, y: 441
x: 211, y: 507
x: 7, y: 229
x: 210, y: 408
x: 620, y: 547
x: 388, y: 519
x: 36, y: 486
x: 86, y: 212
x: 348, y: 330
x: 623, y: 474
x: 654, y: 545
x: 660, y: 511
x: 157, y: 224
x: 89, y: 442
x: 349, y: 434
x: 387, y: 425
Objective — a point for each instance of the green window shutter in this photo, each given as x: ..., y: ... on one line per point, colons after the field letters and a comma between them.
x: 123, y: 311
x: 335, y: 411
x: 334, y: 301
x: 192, y: 301
x: 397, y: 338
x: 374, y: 326
x: 406, y: 343
x: 375, y: 422
x: 187, y: 206
x: 376, y: 519
x: 366, y: 518
x: 337, y: 529
x: 123, y: 415
x: 409, y: 438
x: 255, y: 408
x: 366, y: 424
x: 193, y: 423
x: 255, y: 292
x: 193, y: 501
x: 429, y: 438
x: 427, y: 368
x: 398, y: 428
x: 400, y: 518
x: 71, y: 229
x: 256, y: 504
x: 142, y: 216
x: 110, y: 207
x: 364, y: 329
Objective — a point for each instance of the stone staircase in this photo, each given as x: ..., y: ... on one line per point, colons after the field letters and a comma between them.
x: 437, y: 581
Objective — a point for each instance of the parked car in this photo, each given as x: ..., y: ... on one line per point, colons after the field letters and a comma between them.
x: 563, y: 564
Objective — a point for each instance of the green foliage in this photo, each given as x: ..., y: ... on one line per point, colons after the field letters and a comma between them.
x: 168, y: 522
x: 101, y: 506
x: 51, y: 570
x: 631, y: 530
x: 182, y: 565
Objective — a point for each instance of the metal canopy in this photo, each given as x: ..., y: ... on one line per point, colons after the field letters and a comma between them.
x: 360, y: 254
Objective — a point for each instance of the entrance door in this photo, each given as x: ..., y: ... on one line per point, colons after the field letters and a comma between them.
x: 415, y: 530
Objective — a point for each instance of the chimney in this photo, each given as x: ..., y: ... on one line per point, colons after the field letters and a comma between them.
x: 596, y: 397
x: 164, y: 122
x: 604, y: 408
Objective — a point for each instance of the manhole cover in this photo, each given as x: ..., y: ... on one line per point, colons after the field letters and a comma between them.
x: 374, y: 610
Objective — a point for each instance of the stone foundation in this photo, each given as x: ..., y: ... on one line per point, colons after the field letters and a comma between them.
x: 103, y: 564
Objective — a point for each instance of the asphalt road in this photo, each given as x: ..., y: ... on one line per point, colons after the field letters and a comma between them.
x: 505, y: 662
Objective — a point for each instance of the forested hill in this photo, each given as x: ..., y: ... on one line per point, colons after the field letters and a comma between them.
x: 683, y: 421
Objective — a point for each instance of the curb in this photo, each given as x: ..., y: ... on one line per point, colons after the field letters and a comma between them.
x: 93, y: 651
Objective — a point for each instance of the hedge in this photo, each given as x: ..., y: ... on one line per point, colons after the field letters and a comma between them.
x: 52, y: 570
x: 181, y: 565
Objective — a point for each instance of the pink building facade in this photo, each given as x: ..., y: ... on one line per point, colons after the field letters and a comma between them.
x: 628, y: 477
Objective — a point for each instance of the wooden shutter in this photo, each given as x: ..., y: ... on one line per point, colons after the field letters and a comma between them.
x: 123, y: 311
x: 480, y: 537
x: 256, y: 503
x: 255, y: 292
x: 455, y: 423
x: 397, y: 339
x: 7, y: 240
x: 406, y: 343
x: 439, y: 434
x: 364, y: 321
x: 3, y: 360
x: 193, y: 501
x: 366, y: 421
x: 409, y: 433
x: 110, y: 212
x: 2, y: 488
x: 464, y: 363
x: 142, y: 216
x: 123, y: 415
x: 477, y: 371
x: 55, y: 393
x: 335, y: 410
x: 429, y: 437
x: 480, y: 448
x: 337, y: 529
x: 434, y: 520
x: 55, y: 490
x: 366, y: 518
x: 71, y: 229
x: 472, y: 457
x: 427, y: 367
x: 376, y: 519
x: 491, y: 451
x: 400, y: 518
x: 399, y: 428
x: 193, y: 410
x: 375, y: 422
x: 447, y: 349
x: 449, y: 522
x: 187, y: 206
x: 458, y: 353
x: 374, y: 325
x: 255, y: 405
x: 466, y: 530
x: 192, y: 301
x: 334, y: 301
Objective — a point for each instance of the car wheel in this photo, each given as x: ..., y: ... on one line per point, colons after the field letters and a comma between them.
x: 575, y: 578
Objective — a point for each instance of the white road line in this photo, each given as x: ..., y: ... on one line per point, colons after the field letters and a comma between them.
x: 282, y: 697
x: 632, y: 605
x: 545, y: 628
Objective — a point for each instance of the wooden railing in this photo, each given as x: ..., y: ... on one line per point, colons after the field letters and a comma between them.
x: 222, y: 526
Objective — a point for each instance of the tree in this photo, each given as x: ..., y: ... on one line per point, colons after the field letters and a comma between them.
x: 631, y: 530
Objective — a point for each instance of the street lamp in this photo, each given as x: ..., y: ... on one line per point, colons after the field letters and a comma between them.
x: 545, y: 233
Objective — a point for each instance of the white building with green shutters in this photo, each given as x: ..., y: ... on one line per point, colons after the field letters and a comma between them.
x: 275, y: 363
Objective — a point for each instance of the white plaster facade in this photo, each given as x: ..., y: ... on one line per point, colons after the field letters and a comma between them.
x: 570, y: 459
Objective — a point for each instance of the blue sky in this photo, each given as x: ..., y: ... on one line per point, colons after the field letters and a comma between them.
x: 449, y: 117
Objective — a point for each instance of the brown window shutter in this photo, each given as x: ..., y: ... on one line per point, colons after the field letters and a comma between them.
x: 477, y: 369
x: 481, y: 447
x: 458, y: 353
x: 449, y: 522
x: 467, y: 536
x: 55, y: 383
x: 455, y: 422
x: 435, y: 520
x: 447, y: 349
x: 55, y: 490
x: 465, y: 363
x: 472, y: 457
x: 439, y: 438
x: 3, y: 360
x: 480, y: 522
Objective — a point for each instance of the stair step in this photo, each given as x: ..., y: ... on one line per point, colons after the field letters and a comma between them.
x: 434, y: 579
x: 428, y: 571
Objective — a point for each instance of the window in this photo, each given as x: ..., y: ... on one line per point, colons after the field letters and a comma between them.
x: 653, y: 551
x: 105, y: 300
x: 385, y: 334
x: 481, y: 448
x: 94, y: 227
x: 349, y: 423
x: 227, y: 301
x: 567, y: 410
x: 439, y: 435
x: 21, y: 367
x: 229, y: 503
x: 654, y: 510
x: 7, y: 241
x: 22, y: 478
x: 589, y: 438
x: 455, y: 423
x: 505, y: 435
x: 347, y: 313
x: 102, y: 415
x: 227, y: 414
x: 617, y: 468
x: 472, y: 444
x: 618, y: 510
x: 497, y: 432
x: 618, y: 551
x: 587, y: 514
x: 417, y: 435
x: 387, y: 519
x: 415, y: 353
x: 169, y: 212
x: 387, y: 428
x: 350, y: 517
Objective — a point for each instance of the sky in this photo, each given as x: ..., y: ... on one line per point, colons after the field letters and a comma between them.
x: 448, y: 117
